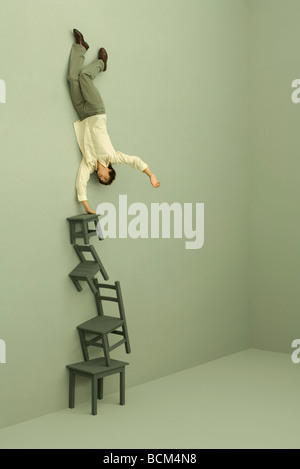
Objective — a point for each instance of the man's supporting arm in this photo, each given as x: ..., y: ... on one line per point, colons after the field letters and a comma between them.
x: 87, y: 207
x: 81, y: 184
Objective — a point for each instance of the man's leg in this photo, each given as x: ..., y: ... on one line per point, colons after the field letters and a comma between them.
x: 75, y: 66
x: 93, y: 101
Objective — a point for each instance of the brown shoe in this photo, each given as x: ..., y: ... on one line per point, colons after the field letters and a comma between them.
x: 79, y: 39
x: 102, y: 55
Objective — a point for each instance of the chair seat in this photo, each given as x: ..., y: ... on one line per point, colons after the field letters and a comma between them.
x: 96, y: 370
x: 83, y: 220
x: 85, y: 269
x: 85, y: 217
x: 101, y: 324
x: 96, y: 366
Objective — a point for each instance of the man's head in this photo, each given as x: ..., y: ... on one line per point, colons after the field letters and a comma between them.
x: 107, y: 175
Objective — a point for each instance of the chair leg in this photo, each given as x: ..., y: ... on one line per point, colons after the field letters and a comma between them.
x: 122, y: 387
x: 71, y: 389
x: 94, y: 395
x: 98, y: 230
x: 106, y: 349
x: 84, y: 348
x: 91, y: 285
x: 72, y: 232
x: 100, y: 388
x: 85, y: 232
x: 77, y: 284
x: 127, y: 343
x: 103, y: 271
x: 122, y: 315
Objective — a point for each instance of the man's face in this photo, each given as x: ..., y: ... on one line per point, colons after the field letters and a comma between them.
x: 104, y: 179
x: 104, y: 176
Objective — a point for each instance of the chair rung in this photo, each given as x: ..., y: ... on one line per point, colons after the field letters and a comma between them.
x: 108, y: 298
x: 94, y: 345
x: 112, y: 347
x: 81, y: 233
x: 93, y: 341
x: 103, y: 285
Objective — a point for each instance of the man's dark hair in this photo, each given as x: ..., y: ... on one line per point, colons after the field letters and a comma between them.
x: 112, y: 176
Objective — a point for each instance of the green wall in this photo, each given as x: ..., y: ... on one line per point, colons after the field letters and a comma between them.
x: 176, y: 92
x: 275, y: 119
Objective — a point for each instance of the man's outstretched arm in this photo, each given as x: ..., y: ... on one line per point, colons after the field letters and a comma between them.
x: 136, y: 163
x: 152, y: 177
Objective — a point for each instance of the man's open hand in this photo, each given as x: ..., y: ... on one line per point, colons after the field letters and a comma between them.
x: 87, y: 207
x: 154, y: 181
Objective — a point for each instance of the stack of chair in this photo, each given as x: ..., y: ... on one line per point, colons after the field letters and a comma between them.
x: 102, y: 328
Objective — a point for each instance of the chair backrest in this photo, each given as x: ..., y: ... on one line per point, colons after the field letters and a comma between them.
x: 117, y: 297
x: 81, y: 249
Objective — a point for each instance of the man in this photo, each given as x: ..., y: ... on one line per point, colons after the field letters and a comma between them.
x: 98, y: 154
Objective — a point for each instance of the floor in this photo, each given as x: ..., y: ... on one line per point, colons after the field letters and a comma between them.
x: 246, y: 400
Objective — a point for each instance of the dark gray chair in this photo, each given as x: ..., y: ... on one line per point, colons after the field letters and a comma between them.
x: 101, y: 326
x: 87, y: 269
x: 82, y: 222
x: 96, y: 370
